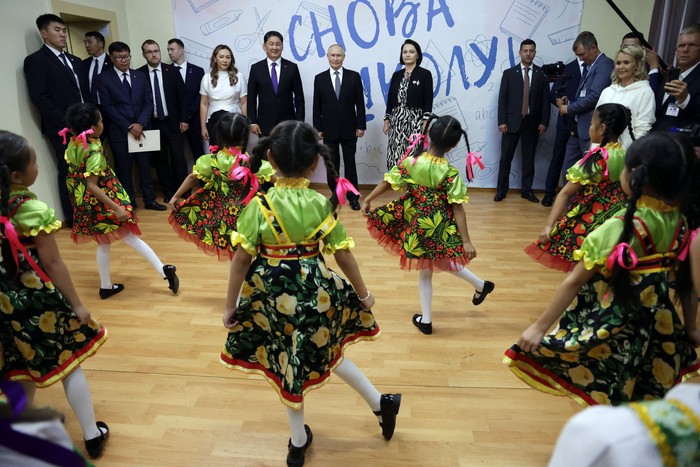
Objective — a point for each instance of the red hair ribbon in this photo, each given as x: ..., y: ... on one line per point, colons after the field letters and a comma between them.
x: 618, y: 254
x: 342, y: 186
x: 684, y: 253
x: 603, y: 152
x: 17, y: 247
x: 82, y: 137
x: 243, y: 173
x: 473, y: 158
x: 213, y: 148
x: 63, y: 134
x: 414, y: 139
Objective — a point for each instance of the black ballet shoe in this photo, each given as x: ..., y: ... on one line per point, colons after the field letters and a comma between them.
x: 106, y: 293
x: 425, y: 328
x: 171, y: 277
x: 487, y: 289
x: 95, y: 446
x: 389, y: 408
x: 295, y: 457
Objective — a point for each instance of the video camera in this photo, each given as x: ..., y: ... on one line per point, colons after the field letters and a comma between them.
x: 554, y: 70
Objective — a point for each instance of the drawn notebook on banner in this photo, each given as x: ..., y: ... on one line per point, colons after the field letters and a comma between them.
x: 523, y: 18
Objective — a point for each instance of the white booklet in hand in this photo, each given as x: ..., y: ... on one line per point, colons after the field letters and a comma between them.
x: 150, y: 141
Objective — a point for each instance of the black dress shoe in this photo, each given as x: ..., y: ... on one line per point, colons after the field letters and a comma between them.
x: 425, y: 328
x: 171, y: 277
x: 155, y: 206
x: 106, y: 293
x: 499, y: 197
x: 95, y: 446
x: 354, y: 204
x: 530, y: 196
x: 487, y: 289
x: 295, y: 457
x: 389, y: 408
x: 547, y: 201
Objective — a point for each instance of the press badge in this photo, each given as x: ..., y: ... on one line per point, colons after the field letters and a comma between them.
x: 582, y: 93
x: 672, y: 110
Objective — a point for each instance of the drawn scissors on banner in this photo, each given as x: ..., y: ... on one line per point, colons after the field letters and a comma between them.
x: 246, y: 41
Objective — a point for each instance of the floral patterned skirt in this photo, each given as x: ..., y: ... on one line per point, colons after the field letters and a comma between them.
x: 602, y: 353
x: 92, y: 220
x: 590, y: 207
x: 421, y: 229
x: 207, y: 218
x: 296, y: 317
x: 41, y: 339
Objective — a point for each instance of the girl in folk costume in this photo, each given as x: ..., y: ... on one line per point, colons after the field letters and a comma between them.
x: 45, y: 330
x: 290, y: 318
x: 620, y: 338
x: 210, y: 214
x: 101, y: 206
x: 427, y: 226
x: 592, y: 195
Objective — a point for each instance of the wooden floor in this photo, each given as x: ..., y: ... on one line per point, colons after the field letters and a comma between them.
x: 168, y: 400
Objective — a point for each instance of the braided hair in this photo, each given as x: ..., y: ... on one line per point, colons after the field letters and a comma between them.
x: 233, y: 130
x: 444, y: 133
x: 662, y: 164
x: 81, y: 117
x: 294, y: 146
x: 615, y: 117
x: 15, y: 155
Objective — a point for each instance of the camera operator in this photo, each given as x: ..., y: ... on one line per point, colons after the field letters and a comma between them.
x: 564, y: 87
x: 594, y: 78
x: 678, y: 102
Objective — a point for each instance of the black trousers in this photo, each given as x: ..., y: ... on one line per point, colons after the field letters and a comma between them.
x: 123, y: 166
x: 170, y: 162
x: 555, y: 165
x: 349, y: 146
x: 59, y: 150
x: 529, y: 135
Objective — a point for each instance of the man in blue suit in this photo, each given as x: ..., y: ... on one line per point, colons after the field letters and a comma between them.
x: 594, y: 78
x: 192, y: 76
x: 128, y: 102
x: 54, y: 84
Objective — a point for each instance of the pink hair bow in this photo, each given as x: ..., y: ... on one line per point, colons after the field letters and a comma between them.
x: 213, y: 148
x: 473, y: 158
x: 618, y: 254
x: 17, y: 247
x: 414, y: 139
x: 603, y: 152
x: 684, y: 253
x: 342, y: 187
x: 63, y: 134
x: 82, y: 137
x: 242, y: 173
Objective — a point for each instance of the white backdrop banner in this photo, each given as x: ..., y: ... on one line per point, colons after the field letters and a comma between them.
x: 466, y: 45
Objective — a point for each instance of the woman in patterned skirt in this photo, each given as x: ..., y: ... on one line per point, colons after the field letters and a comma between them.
x: 409, y: 103
x: 619, y: 338
x: 45, y: 330
x: 296, y: 317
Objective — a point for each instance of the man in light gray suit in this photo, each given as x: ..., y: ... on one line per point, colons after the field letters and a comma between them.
x: 594, y: 78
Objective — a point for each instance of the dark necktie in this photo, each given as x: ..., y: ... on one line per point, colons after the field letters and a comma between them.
x: 273, y: 76
x: 585, y: 72
x: 526, y: 93
x: 337, y: 85
x: 126, y: 84
x: 63, y: 58
x: 159, y: 100
x: 93, y: 83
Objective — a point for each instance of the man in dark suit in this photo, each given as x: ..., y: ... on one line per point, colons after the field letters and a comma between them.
x: 565, y: 85
x: 678, y: 101
x: 523, y: 112
x: 54, y: 84
x: 170, y: 117
x: 275, y: 91
x: 96, y: 63
x: 192, y: 76
x: 594, y: 78
x: 128, y: 102
x: 339, y: 115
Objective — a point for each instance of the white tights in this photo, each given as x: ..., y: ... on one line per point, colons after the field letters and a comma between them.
x: 425, y: 289
x: 138, y: 245
x: 357, y: 380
